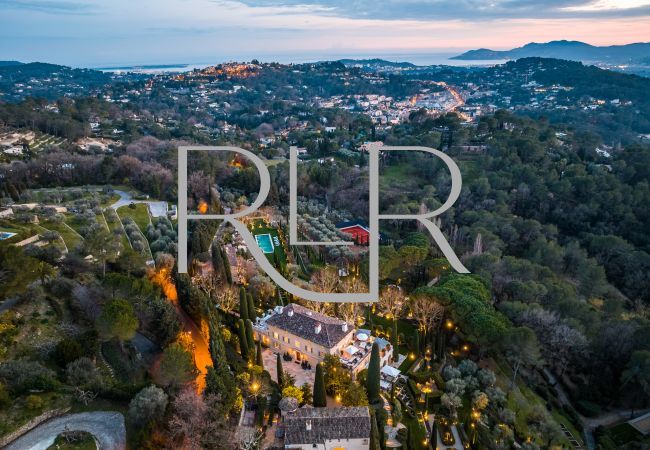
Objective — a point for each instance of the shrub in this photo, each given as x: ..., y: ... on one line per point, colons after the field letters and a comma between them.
x: 5, y: 398
x: 23, y: 375
x: 148, y: 405
x: 83, y: 372
x: 33, y: 402
x: 66, y: 351
x: 588, y: 408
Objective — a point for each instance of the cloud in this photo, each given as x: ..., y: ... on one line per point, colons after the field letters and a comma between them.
x: 49, y: 6
x: 467, y: 10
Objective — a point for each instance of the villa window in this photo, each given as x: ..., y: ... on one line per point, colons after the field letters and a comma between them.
x: 297, y: 344
x: 275, y: 335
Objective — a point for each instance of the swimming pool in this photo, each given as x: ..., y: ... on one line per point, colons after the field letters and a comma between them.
x: 265, y: 242
x: 6, y: 235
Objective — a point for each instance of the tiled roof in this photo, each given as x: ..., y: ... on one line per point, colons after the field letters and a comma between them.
x: 317, y: 425
x: 303, y: 323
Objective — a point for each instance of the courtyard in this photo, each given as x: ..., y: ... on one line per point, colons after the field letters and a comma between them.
x: 301, y: 375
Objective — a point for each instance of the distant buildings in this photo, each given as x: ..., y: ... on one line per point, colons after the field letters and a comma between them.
x: 344, y: 428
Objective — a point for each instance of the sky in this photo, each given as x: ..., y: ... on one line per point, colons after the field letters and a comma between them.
x: 102, y: 33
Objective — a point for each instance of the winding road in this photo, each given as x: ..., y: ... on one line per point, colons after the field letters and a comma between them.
x: 106, y: 426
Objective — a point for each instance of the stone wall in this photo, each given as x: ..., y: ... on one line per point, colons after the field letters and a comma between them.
x: 36, y: 421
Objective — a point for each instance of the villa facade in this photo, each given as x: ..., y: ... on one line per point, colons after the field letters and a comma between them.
x: 302, y: 333
x: 308, y: 336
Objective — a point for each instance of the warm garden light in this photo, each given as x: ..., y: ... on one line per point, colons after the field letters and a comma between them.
x: 275, y: 252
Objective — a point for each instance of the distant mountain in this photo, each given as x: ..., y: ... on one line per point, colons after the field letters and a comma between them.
x: 637, y: 53
x: 10, y: 63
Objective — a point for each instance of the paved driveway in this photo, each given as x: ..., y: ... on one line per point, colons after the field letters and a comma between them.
x: 156, y: 208
x: 106, y: 426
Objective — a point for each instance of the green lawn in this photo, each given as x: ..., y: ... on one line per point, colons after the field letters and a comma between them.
x: 70, y: 236
x: 259, y: 227
x: 139, y: 212
x: 84, y: 441
x: 73, y: 222
x: 116, y: 225
x: 24, y: 231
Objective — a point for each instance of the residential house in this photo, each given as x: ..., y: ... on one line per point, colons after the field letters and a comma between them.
x: 304, y: 334
x: 309, y: 336
x: 344, y: 428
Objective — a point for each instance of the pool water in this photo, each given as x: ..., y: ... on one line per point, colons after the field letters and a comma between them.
x: 265, y: 242
x: 6, y: 235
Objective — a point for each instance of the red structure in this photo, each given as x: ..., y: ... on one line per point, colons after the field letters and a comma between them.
x: 360, y: 234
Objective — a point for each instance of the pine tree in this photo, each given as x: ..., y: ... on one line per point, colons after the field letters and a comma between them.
x: 278, y: 368
x: 243, y: 304
x: 243, y: 342
x: 320, y: 400
x: 252, y: 314
x: 258, y: 356
x: 372, y: 381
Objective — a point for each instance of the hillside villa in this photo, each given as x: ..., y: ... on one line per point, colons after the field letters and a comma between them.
x: 308, y: 336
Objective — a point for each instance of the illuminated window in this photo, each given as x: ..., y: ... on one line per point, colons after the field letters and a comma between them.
x: 275, y: 335
x: 297, y: 344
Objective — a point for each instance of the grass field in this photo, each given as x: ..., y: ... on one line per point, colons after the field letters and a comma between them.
x: 139, y: 212
x: 116, y: 225
x: 70, y: 236
x: 259, y: 227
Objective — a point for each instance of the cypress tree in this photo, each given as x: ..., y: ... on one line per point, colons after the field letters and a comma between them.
x: 259, y: 360
x: 320, y: 401
x: 243, y: 342
x: 278, y: 369
x: 252, y: 314
x: 416, y: 343
x: 395, y: 341
x: 243, y: 304
x: 374, y: 433
x: 226, y: 265
x: 372, y: 381
x: 249, y: 334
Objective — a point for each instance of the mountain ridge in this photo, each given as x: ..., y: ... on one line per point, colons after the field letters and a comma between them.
x: 637, y: 52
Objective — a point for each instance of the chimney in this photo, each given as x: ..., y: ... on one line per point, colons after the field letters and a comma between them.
x: 317, y: 328
x: 290, y: 313
x: 344, y: 327
x: 308, y: 425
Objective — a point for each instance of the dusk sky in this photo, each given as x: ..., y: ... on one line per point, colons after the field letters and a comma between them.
x: 118, y: 32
